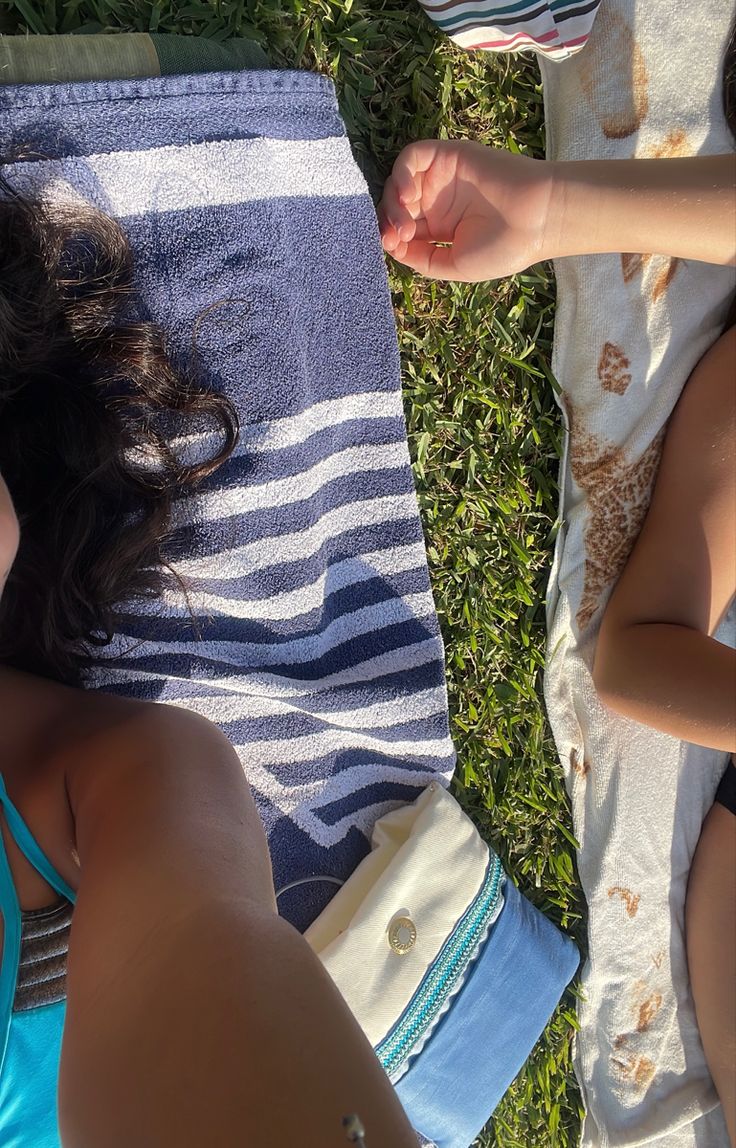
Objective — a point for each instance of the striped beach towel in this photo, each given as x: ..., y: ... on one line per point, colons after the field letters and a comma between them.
x: 309, y: 632
x: 315, y: 644
x: 554, y: 28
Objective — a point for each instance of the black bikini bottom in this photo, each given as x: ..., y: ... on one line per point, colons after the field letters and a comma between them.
x: 726, y: 792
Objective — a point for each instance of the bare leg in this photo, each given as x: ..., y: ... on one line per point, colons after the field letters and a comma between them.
x: 710, y: 915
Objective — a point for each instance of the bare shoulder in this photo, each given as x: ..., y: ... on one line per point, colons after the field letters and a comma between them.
x: 134, y: 730
x: 160, y: 792
x: 144, y: 747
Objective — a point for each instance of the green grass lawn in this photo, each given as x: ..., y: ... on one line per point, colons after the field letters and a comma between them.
x: 484, y: 433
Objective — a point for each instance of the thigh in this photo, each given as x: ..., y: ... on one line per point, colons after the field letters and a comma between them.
x: 710, y: 917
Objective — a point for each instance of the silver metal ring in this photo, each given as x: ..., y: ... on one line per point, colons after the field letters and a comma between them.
x: 307, y: 881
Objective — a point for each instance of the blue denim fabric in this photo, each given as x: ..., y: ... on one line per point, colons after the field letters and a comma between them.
x: 456, y: 1081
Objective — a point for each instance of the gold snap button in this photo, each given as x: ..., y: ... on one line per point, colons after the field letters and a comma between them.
x: 402, y: 934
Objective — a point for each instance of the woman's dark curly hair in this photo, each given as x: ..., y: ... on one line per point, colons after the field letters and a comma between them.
x: 90, y: 406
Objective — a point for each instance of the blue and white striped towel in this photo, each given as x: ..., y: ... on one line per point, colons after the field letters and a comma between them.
x: 315, y: 644
x: 317, y: 648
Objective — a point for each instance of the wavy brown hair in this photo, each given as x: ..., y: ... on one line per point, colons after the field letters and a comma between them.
x: 90, y: 407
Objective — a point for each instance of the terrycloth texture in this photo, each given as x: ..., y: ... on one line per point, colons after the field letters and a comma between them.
x: 316, y: 646
x: 629, y: 331
x: 553, y: 28
x: 124, y: 55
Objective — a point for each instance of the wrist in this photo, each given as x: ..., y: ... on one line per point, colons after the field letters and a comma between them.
x: 681, y: 206
x: 580, y: 202
x: 594, y: 208
x: 555, y: 227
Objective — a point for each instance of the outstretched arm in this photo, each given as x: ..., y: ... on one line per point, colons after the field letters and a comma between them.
x: 684, y: 207
x: 458, y: 210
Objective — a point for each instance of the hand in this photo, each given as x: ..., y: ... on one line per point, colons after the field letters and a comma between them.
x: 489, y: 206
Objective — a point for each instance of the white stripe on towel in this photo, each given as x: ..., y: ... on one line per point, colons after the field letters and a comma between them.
x: 377, y: 715
x: 289, y: 751
x: 293, y: 430
x: 302, y: 544
x: 222, y: 504
x: 290, y: 603
x: 368, y: 620
x: 162, y: 179
x: 274, y: 685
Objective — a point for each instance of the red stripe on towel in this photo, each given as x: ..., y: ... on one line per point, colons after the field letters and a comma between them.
x: 545, y: 39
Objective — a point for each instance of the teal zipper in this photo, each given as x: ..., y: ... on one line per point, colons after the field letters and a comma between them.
x: 443, y: 976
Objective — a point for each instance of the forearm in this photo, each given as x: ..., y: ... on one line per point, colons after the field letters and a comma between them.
x: 673, y: 678
x: 680, y: 207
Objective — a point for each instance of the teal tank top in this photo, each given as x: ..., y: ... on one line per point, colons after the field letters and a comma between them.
x: 30, y: 1038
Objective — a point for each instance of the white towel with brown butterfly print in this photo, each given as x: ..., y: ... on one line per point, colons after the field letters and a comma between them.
x: 629, y: 330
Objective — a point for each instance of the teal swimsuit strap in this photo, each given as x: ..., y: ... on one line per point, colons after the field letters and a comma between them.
x: 11, y: 949
x: 11, y: 913
x: 30, y: 848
